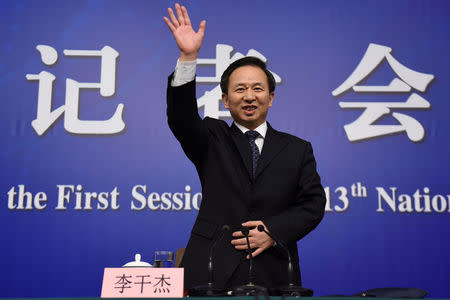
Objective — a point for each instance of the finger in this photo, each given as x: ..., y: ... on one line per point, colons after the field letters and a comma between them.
x: 237, y: 234
x: 179, y: 14
x: 239, y: 242
x: 173, y: 18
x: 187, y: 20
x: 169, y: 24
x: 253, y: 232
x: 202, y: 27
x: 244, y: 246
x: 240, y: 247
x: 256, y: 252
x: 252, y: 223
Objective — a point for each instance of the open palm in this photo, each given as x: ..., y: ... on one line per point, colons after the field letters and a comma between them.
x: 187, y: 39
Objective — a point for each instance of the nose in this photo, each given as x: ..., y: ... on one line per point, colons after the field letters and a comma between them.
x: 249, y: 95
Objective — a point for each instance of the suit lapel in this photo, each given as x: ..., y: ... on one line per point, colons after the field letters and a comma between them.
x: 274, y: 142
x: 241, y: 143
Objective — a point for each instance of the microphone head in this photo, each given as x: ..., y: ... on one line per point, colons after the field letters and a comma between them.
x: 225, y: 228
x: 260, y: 228
x: 245, y: 231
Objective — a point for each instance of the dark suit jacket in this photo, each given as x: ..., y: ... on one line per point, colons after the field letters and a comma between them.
x: 286, y: 193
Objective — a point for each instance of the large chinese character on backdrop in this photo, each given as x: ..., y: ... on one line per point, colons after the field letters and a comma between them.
x: 365, y: 126
x: 46, y: 117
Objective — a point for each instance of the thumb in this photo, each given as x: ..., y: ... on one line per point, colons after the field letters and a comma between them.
x: 202, y: 27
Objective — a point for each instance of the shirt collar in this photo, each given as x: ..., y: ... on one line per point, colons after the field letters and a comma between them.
x: 261, y: 129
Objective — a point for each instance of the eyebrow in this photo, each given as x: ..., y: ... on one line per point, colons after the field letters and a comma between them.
x: 245, y: 84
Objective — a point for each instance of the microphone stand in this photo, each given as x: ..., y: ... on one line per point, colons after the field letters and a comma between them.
x: 249, y: 289
x: 291, y: 289
x: 209, y: 289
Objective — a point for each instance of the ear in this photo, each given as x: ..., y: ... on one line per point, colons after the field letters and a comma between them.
x: 225, y: 100
x: 271, y: 97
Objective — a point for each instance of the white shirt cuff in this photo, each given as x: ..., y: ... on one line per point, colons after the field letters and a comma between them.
x: 184, y: 72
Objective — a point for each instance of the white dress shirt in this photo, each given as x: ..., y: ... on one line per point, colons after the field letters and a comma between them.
x: 261, y: 129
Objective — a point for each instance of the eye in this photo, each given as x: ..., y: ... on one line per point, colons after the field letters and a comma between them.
x: 258, y: 89
x: 240, y: 90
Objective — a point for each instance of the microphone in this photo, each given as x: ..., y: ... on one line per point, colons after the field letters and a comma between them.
x: 209, y: 289
x: 292, y: 289
x: 225, y: 228
x: 245, y: 231
x: 290, y: 267
x: 249, y: 289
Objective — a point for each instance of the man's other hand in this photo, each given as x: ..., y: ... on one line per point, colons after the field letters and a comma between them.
x: 258, y: 240
x: 187, y: 39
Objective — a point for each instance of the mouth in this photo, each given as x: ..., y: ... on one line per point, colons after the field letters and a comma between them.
x: 249, y: 109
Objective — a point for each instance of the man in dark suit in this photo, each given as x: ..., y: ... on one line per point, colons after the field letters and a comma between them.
x: 250, y: 173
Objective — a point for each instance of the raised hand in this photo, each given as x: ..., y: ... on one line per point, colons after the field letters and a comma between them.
x: 187, y: 39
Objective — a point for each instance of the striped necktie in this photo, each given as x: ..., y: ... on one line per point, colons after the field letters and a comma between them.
x: 252, y: 135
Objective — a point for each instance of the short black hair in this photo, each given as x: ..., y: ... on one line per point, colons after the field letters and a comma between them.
x: 246, y: 61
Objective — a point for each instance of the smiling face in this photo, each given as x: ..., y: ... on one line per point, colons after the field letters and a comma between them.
x: 248, y: 97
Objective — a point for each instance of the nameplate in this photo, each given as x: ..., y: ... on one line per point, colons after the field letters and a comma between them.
x: 143, y: 282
